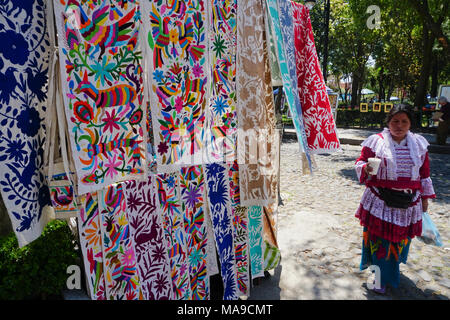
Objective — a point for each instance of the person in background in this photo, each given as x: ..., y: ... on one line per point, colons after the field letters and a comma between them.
x: 444, y: 121
x: 395, y: 197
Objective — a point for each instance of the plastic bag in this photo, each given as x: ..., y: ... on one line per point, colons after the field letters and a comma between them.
x: 430, y: 234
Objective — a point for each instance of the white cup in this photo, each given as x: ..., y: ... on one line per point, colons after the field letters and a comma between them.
x: 374, y: 164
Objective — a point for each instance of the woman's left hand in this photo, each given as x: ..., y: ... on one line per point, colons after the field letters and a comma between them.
x: 425, y: 204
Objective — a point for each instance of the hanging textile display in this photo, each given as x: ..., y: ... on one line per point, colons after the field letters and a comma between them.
x: 119, y: 256
x: 177, y: 45
x: 317, y: 116
x: 24, y: 64
x: 148, y: 234
x: 240, y: 231
x: 281, y: 23
x: 174, y: 234
x: 257, y: 142
x: 220, y: 209
x: 222, y: 103
x: 103, y: 90
x: 89, y: 229
x: 192, y: 184
x: 255, y: 240
x: 272, y: 254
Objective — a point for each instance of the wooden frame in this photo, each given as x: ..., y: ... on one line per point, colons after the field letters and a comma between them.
x: 388, y: 107
x: 377, y: 107
x: 363, y: 107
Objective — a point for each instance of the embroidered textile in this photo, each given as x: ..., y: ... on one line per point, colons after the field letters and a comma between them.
x: 174, y: 234
x: 192, y: 184
x: 257, y: 140
x: 240, y: 231
x: 281, y: 19
x: 177, y: 42
x: 24, y: 64
x: 220, y: 209
x: 255, y: 240
x: 119, y: 256
x: 89, y: 228
x: 317, y: 116
x: 222, y: 117
x: 102, y: 75
x: 272, y: 254
x: 148, y: 234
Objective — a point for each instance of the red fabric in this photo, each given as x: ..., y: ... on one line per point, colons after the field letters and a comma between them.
x: 386, y: 230
x: 317, y: 116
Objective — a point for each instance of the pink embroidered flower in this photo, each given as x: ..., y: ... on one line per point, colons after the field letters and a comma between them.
x: 110, y: 119
x: 112, y: 165
x: 178, y: 104
x: 128, y: 258
x: 197, y: 70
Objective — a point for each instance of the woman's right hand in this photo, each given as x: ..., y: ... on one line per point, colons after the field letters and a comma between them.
x: 368, y: 169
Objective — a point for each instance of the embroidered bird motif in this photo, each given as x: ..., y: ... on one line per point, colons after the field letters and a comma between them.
x: 9, y: 84
x: 159, y: 38
x: 96, y: 33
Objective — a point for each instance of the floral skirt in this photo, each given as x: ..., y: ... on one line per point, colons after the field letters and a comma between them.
x: 386, y: 254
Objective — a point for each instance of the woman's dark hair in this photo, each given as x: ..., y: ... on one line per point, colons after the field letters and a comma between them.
x: 400, y: 108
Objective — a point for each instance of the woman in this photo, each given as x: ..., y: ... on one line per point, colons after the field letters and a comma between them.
x: 444, y: 121
x: 396, y: 195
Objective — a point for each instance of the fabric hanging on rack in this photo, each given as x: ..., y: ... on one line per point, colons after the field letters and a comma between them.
x: 121, y: 276
x: 318, y: 118
x: 281, y: 23
x: 272, y: 254
x: 174, y: 233
x: 220, y: 209
x: 89, y: 229
x: 148, y: 234
x: 24, y: 64
x: 255, y: 240
x: 102, y: 75
x: 240, y: 231
x: 257, y: 150
x: 222, y: 116
x: 176, y: 46
x: 193, y: 197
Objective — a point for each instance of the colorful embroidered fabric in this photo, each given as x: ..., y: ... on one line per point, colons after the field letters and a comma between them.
x: 90, y: 231
x: 148, y: 234
x: 24, y: 64
x: 119, y: 256
x: 220, y: 209
x: 177, y: 44
x: 317, y: 116
x: 281, y: 21
x: 103, y: 90
x: 257, y: 143
x: 272, y: 254
x: 240, y: 231
x: 385, y: 254
x: 174, y: 234
x: 192, y: 184
x: 222, y: 58
x: 255, y: 240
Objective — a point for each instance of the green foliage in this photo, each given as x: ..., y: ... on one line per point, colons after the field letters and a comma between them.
x: 37, y: 270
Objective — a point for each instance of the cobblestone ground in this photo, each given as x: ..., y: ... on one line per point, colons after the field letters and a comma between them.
x: 320, y: 238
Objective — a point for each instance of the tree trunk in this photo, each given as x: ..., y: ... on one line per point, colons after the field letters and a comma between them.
x: 5, y: 222
x: 422, y: 85
x: 434, y: 76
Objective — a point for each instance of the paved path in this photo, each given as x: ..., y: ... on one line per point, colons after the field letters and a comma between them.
x: 320, y: 239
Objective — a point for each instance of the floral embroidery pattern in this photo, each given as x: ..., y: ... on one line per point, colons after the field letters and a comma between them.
x: 317, y: 116
x: 121, y: 276
x: 104, y: 95
x: 255, y: 240
x: 89, y: 228
x: 174, y: 234
x: 222, y: 56
x: 220, y: 208
x: 192, y: 205
x: 146, y: 228
x: 24, y: 60
x: 177, y: 43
